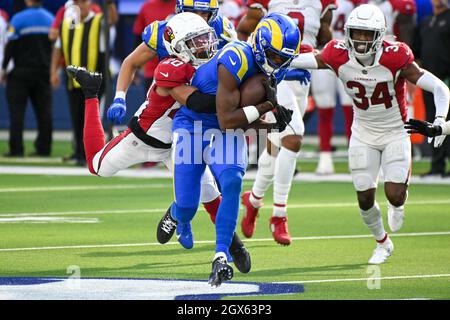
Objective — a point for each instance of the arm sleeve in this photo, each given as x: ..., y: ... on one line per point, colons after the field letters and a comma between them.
x: 201, y: 102
x: 441, y: 95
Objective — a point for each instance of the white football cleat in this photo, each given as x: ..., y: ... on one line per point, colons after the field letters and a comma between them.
x: 382, y: 252
x: 325, y: 165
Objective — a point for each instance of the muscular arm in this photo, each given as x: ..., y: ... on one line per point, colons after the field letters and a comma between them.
x: 429, y: 82
x: 325, y: 33
x: 140, y: 56
x: 229, y: 114
x: 309, y: 61
x: 248, y: 23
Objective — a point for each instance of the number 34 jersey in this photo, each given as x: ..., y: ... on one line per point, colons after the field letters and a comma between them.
x: 378, y: 91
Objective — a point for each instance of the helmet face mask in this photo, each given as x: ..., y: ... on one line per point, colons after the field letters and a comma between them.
x: 364, y: 31
x: 188, y: 37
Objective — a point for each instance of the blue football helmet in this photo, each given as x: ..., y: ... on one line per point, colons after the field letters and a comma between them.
x: 210, y: 6
x: 275, y: 42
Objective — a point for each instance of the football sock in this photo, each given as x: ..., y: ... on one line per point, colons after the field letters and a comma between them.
x: 264, y: 177
x: 348, y: 115
x: 212, y: 207
x: 230, y: 181
x: 94, y: 136
x: 372, y: 218
x: 284, y: 173
x: 325, y: 129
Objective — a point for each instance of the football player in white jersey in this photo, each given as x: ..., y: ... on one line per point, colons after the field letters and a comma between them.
x: 374, y: 73
x: 313, y: 18
x: 324, y: 86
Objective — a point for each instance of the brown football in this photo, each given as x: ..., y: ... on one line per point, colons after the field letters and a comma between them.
x: 252, y: 91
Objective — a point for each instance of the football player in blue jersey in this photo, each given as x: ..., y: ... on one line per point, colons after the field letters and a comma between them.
x: 215, y: 137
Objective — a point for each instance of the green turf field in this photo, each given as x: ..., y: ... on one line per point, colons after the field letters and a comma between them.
x: 106, y: 228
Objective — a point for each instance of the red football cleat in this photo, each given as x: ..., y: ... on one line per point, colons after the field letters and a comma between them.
x: 280, y: 232
x: 249, y: 220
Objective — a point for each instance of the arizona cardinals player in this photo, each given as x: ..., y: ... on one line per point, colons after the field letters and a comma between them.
x: 313, y: 18
x: 374, y: 73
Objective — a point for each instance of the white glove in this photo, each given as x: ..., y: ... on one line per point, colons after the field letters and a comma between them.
x: 229, y: 33
x: 439, y: 139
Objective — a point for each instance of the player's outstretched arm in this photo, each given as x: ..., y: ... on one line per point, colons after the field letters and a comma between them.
x: 429, y: 82
x: 248, y: 23
x: 325, y: 32
x: 309, y: 61
x: 229, y: 114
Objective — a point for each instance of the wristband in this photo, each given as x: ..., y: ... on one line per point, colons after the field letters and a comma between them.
x: 251, y: 113
x: 121, y: 95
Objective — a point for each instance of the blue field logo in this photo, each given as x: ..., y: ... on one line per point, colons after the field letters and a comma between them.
x: 133, y: 289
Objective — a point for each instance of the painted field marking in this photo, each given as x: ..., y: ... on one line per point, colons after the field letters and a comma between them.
x: 48, y: 220
x: 414, y: 234
x: 421, y: 276
x: 163, y: 210
x: 87, y: 187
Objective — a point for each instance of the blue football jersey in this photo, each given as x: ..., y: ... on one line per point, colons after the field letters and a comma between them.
x: 152, y: 35
x: 237, y: 57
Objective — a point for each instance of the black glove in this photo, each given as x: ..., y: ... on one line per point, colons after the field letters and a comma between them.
x: 90, y: 82
x: 270, y: 85
x: 283, y: 117
x: 423, y: 127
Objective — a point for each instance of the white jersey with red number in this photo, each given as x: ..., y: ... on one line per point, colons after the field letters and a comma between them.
x: 306, y: 13
x: 340, y: 15
x: 378, y: 93
x: 392, y: 8
x: 156, y: 115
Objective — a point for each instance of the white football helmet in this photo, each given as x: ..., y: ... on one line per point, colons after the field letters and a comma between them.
x: 366, y: 17
x: 189, y: 37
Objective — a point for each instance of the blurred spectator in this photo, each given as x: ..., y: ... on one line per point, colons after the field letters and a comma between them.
x: 81, y: 43
x: 113, y: 16
x: 152, y: 10
x: 234, y: 10
x: 3, y: 37
x: 424, y: 9
x: 432, y: 49
x: 30, y: 49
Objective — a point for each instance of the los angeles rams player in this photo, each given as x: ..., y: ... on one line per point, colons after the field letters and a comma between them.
x: 213, y: 139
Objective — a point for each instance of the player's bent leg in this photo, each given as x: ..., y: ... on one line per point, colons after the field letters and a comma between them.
x: 253, y: 200
x: 396, y: 165
x: 93, y: 134
x: 284, y: 173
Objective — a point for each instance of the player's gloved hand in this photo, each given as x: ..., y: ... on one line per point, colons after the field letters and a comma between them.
x: 117, y: 111
x: 283, y: 117
x: 427, y: 129
x: 304, y: 76
x: 438, y: 139
x: 270, y: 85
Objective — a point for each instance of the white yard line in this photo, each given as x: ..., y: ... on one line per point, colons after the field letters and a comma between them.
x: 414, y: 234
x: 162, y: 210
x: 87, y: 187
x: 421, y: 276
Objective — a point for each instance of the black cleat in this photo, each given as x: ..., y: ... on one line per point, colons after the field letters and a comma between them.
x: 221, y: 271
x: 240, y: 254
x: 90, y: 82
x: 166, y: 228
